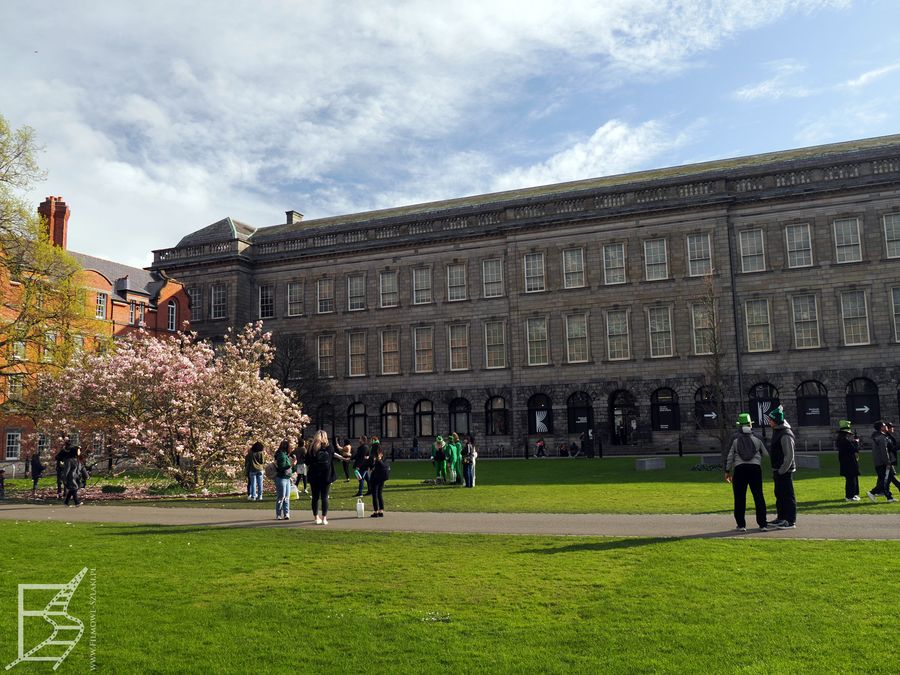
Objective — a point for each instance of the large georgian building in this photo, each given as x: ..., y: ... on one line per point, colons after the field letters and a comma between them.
x: 555, y: 310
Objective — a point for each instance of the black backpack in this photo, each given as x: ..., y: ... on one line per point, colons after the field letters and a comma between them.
x: 323, y: 457
x: 746, y: 448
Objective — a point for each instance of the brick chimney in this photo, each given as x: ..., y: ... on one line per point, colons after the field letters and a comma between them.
x: 56, y: 213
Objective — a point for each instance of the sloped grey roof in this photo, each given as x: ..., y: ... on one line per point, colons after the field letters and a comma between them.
x: 123, y: 277
x: 223, y: 230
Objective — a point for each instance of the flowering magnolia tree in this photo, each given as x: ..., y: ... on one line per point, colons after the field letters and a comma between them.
x: 177, y: 404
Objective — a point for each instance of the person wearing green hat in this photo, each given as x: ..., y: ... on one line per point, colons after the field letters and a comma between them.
x: 783, y: 468
x: 847, y: 444
x: 743, y: 420
x: 439, y: 459
x: 743, y: 469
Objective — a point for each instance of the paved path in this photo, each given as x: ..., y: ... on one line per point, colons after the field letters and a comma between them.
x: 850, y: 526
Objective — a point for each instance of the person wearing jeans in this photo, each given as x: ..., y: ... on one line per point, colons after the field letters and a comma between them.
x: 255, y: 463
x: 283, y: 471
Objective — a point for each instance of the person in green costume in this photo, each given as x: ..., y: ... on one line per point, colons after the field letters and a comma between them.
x: 456, y: 444
x: 439, y: 458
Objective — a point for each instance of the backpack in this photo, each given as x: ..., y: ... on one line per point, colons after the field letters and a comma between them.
x: 271, y: 471
x: 746, y: 448
x: 323, y: 457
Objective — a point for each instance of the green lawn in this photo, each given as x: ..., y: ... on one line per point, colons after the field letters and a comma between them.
x: 296, y: 600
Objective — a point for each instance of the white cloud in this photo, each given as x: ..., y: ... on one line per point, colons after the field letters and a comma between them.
x: 777, y: 86
x: 870, y: 76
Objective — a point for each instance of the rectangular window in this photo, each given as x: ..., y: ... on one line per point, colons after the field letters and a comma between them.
x: 855, y: 318
x: 294, y: 298
x: 534, y: 273
x: 614, y: 264
x: 806, y: 321
x: 799, y: 245
x: 390, y: 292
x: 142, y: 307
x: 357, y: 354
x: 753, y: 254
x: 43, y: 443
x: 576, y: 338
x: 703, y: 325
x: 659, y: 322
x: 494, y: 344
x: 13, y: 444
x: 266, y: 302
x: 132, y: 306
x: 17, y: 350
x: 459, y: 346
x: 847, y: 246
x: 326, y: 355
x: 759, y: 325
x: 536, y: 337
x: 892, y: 235
x: 456, y: 282
x: 101, y: 305
x: 196, y: 296
x: 421, y: 285
x: 699, y: 255
x: 618, y: 343
x: 49, y: 347
x: 356, y: 292
x: 325, y: 295
x: 656, y: 262
x: 573, y: 268
x: 492, y: 278
x: 218, y: 302
x: 171, y: 315
x: 424, y: 345
x: 895, y: 301
x: 390, y: 352
x: 15, y: 385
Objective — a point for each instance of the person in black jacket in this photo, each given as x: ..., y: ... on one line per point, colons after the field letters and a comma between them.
x: 783, y: 468
x: 60, y: 460
x: 361, y: 465
x: 881, y: 457
x: 848, y: 457
x: 378, y: 475
x: 892, y: 453
x: 37, y: 470
x: 320, y: 472
x: 76, y: 475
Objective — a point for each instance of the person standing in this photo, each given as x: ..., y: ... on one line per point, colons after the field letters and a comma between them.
x: 457, y: 458
x: 378, y: 475
x: 783, y: 468
x: 847, y: 444
x: 255, y: 463
x: 892, y: 453
x: 743, y: 469
x: 75, y: 475
x: 470, y: 454
x: 37, y: 470
x: 414, y: 453
x: 284, y: 470
x: 300, y: 457
x: 540, y: 448
x: 320, y: 471
x: 360, y: 466
x: 882, y: 459
x: 439, y: 459
x: 60, y: 460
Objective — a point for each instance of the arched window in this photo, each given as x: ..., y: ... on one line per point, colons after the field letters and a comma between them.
x: 496, y: 417
x: 580, y: 409
x: 706, y: 408
x: 623, y: 417
x: 390, y: 420
x: 540, y: 414
x: 665, y: 414
x: 763, y: 397
x: 460, y: 412
x: 356, y: 420
x: 863, y: 405
x: 172, y: 321
x: 423, y: 413
x: 812, y: 405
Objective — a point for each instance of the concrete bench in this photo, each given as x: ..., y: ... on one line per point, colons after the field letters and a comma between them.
x: 808, y: 462
x: 650, y: 463
x: 710, y: 460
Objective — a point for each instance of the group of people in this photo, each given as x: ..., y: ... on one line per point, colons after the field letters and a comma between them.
x: 454, y: 460
x: 884, y: 457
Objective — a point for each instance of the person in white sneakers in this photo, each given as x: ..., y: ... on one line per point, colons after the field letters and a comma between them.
x: 783, y: 468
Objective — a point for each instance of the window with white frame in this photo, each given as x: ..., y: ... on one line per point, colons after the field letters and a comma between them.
x: 49, y: 347
x: 13, y: 444
x: 142, y: 308
x: 421, y: 285
x: 492, y: 278
x: 102, y: 299
x: 656, y: 262
x: 699, y: 255
x: 325, y: 349
x: 456, y: 282
x: 389, y: 290
x: 573, y: 267
x: 703, y: 325
x: 97, y: 443
x: 294, y: 298
x: 576, y: 338
x: 799, y: 245
x: 459, y: 346
x: 17, y: 350
x: 325, y: 296
x: 618, y: 342
x: 196, y: 296
x: 423, y: 338
x: 659, y: 324
x: 534, y: 273
x: 390, y: 352
x: 43, y: 444
x: 855, y: 318
x: 356, y: 352
x: 613, y: 264
x: 15, y: 386
x: 847, y: 247
x: 806, y: 321
x: 895, y: 305
x: 266, y: 301
x: 537, y: 341
x: 759, y: 325
x: 132, y: 312
x: 356, y: 292
x: 172, y: 315
x: 218, y: 302
x: 753, y: 253
x: 892, y: 235
x: 494, y: 344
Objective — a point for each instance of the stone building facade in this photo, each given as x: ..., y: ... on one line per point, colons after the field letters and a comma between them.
x: 638, y: 309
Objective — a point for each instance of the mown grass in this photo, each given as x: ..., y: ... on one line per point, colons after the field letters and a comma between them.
x: 264, y: 600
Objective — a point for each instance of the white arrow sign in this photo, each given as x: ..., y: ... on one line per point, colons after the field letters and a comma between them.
x: 711, y: 415
x: 864, y: 409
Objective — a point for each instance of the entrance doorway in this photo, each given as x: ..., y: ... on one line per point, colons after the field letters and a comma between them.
x: 623, y: 417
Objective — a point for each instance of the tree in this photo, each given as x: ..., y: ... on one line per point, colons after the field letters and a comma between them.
x: 296, y: 369
x: 177, y: 404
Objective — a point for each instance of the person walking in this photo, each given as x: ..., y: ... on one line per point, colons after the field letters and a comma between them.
x: 361, y: 466
x: 439, y: 459
x: 847, y: 444
x: 37, y: 470
x: 892, y: 452
x: 320, y: 471
x: 60, y: 461
x: 284, y: 470
x: 540, y: 448
x: 378, y: 475
x: 783, y: 468
x: 255, y: 463
x: 75, y: 475
x: 743, y: 469
x: 881, y: 457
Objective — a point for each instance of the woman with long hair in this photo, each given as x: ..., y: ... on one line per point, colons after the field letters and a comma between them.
x: 320, y: 472
x: 377, y: 477
x: 284, y: 469
x: 300, y: 454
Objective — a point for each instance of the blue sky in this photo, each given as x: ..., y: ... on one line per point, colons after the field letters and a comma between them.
x: 158, y: 121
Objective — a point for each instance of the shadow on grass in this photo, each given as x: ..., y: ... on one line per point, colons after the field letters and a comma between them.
x: 611, y: 544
